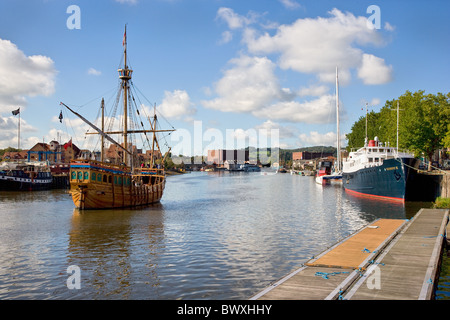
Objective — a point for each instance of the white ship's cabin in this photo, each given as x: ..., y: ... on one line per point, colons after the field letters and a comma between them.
x: 371, y: 155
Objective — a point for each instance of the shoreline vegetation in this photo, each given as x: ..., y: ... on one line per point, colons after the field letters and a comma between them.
x: 441, y: 203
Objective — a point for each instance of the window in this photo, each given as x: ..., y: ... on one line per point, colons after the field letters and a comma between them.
x: 104, y: 178
x: 109, y: 178
x: 86, y: 175
x: 74, y: 175
x: 93, y: 176
x: 99, y: 177
x: 80, y: 175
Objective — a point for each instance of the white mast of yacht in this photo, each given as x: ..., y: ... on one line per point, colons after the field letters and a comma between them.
x: 338, y: 144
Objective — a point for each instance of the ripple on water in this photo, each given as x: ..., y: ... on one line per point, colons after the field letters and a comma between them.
x: 213, y: 236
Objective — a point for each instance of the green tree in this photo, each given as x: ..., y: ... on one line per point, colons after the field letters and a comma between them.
x: 9, y: 149
x: 446, y: 113
x: 357, y: 136
x: 447, y: 138
x: 425, y: 122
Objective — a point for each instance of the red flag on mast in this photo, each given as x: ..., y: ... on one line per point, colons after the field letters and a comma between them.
x: 124, y: 37
x: 68, y: 144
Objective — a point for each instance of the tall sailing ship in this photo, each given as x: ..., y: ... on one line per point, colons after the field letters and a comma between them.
x: 101, y: 184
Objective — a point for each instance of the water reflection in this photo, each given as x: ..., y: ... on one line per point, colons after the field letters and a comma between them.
x: 117, y: 250
x: 213, y: 236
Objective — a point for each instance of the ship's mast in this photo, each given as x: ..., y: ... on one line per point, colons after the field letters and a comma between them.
x: 338, y: 144
x: 154, y: 137
x: 102, y: 154
x: 366, y: 139
x: 125, y: 76
x: 398, y: 116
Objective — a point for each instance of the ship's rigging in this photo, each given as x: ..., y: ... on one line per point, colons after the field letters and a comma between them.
x: 120, y: 129
x: 99, y: 183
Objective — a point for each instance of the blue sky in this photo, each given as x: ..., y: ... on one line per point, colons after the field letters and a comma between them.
x: 218, y: 68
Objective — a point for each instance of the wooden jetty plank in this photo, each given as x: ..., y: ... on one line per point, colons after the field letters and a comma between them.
x: 354, y: 253
x: 408, y: 266
x: 407, y: 260
x: 307, y: 282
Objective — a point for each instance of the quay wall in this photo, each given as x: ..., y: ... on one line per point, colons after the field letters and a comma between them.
x: 430, y: 185
x: 445, y: 185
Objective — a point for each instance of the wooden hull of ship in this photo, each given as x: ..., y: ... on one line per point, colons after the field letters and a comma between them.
x: 100, y: 197
x: 113, y: 190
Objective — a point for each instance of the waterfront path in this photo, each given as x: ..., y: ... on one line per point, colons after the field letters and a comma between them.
x: 388, y: 259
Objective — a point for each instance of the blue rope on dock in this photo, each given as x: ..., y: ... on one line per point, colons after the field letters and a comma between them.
x: 326, y: 274
x: 368, y: 251
x: 373, y: 262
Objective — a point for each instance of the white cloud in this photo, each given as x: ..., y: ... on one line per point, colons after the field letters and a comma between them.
x: 375, y: 102
x: 268, y: 125
x: 373, y: 70
x: 94, y: 72
x: 388, y: 27
x: 290, y: 4
x: 313, y: 46
x: 251, y: 86
x: 177, y: 105
x: 247, y: 86
x: 23, y: 76
x: 315, y: 138
x: 317, y: 46
x: 284, y: 132
x: 128, y: 1
x: 234, y: 20
x: 227, y: 36
x: 316, y: 111
x: 8, y: 132
x: 313, y: 91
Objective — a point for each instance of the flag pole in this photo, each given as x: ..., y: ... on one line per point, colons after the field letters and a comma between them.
x: 18, y: 134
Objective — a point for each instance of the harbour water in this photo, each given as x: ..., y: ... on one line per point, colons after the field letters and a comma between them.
x: 213, y: 236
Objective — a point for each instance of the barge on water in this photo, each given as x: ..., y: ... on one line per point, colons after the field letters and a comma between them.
x: 25, y: 177
x: 381, y: 172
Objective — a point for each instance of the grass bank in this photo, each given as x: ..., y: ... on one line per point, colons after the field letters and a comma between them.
x: 442, y: 203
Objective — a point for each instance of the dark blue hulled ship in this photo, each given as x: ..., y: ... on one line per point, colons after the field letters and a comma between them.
x: 381, y: 172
